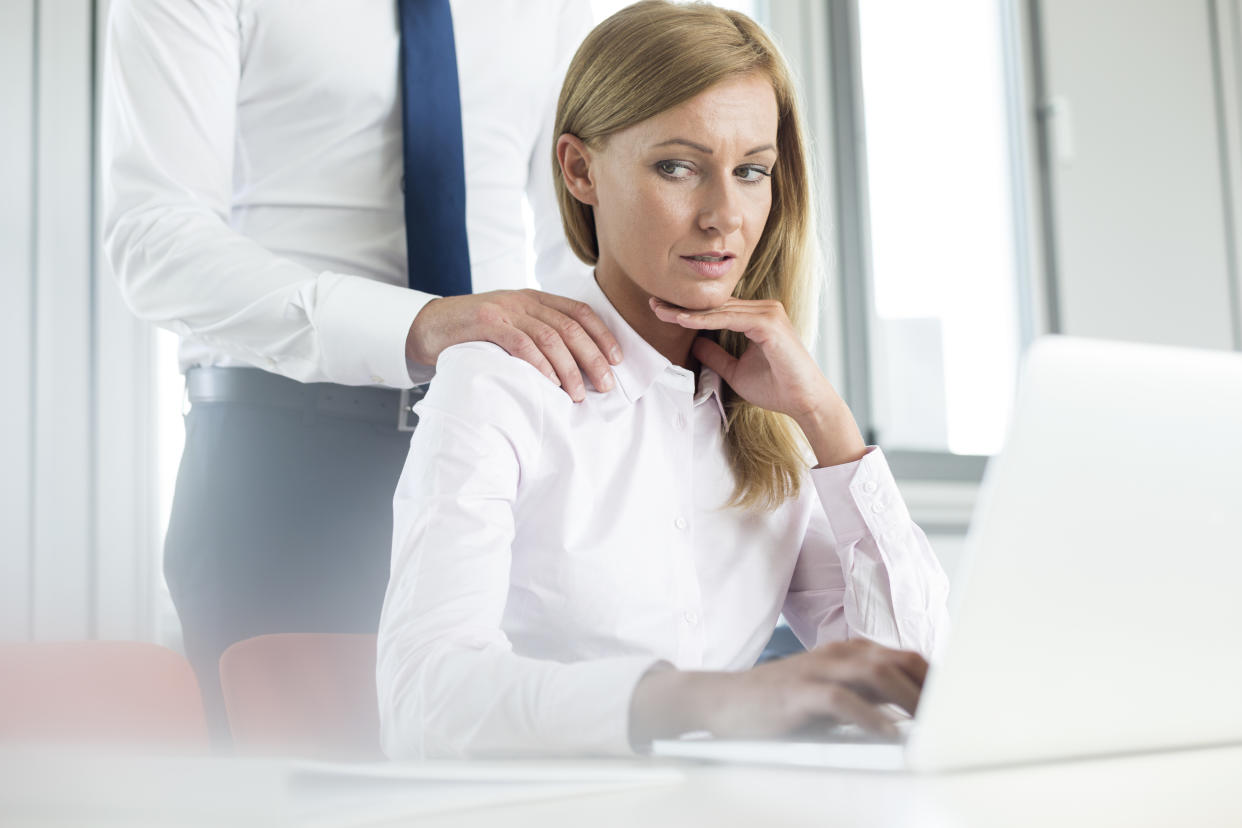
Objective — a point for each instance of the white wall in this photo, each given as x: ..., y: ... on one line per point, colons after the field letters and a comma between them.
x: 74, y: 431
x: 16, y: 324
x: 1141, y: 235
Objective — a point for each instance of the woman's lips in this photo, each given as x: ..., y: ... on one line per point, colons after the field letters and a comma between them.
x: 708, y: 268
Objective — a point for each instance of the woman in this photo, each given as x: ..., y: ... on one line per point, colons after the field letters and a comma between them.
x: 587, y: 577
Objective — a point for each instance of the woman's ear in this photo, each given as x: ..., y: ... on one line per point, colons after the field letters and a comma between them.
x: 575, y: 161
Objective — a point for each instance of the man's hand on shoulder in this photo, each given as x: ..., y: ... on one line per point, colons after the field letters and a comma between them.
x: 561, y: 337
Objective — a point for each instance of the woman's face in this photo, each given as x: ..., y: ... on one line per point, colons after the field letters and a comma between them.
x: 681, y: 199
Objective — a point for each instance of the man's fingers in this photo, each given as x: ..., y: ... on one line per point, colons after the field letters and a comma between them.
x: 594, y: 327
x: 548, y: 340
x: 585, y: 350
x: 518, y: 344
x: 561, y: 337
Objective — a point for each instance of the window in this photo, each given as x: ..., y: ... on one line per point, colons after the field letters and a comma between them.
x: 937, y: 198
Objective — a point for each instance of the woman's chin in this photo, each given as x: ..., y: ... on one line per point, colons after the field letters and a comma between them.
x: 696, y: 299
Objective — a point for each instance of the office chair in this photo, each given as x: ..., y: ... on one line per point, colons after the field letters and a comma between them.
x: 310, y: 695
x: 116, y: 693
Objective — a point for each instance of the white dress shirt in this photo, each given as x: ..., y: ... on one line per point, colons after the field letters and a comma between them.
x: 547, y: 554
x: 252, y: 172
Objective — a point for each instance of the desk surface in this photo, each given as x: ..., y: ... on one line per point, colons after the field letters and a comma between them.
x: 1190, y: 788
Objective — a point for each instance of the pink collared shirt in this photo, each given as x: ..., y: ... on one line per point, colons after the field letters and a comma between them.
x: 546, y: 554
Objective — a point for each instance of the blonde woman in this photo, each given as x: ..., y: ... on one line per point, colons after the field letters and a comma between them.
x: 585, y: 577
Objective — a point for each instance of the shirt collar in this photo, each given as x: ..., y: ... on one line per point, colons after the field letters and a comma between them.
x: 642, y: 364
x: 710, y: 388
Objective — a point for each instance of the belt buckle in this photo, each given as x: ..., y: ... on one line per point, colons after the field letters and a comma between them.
x: 405, y: 409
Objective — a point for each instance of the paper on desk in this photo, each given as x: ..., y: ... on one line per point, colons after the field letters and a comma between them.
x: 861, y: 756
x: 334, y: 794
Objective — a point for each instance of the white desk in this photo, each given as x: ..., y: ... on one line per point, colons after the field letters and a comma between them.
x: 1201, y: 789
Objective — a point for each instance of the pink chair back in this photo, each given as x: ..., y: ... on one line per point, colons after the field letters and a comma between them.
x: 116, y: 693
x: 309, y: 695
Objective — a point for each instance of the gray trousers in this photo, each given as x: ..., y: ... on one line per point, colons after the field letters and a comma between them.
x: 281, y: 522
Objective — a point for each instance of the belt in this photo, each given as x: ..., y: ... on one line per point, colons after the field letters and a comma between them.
x: 385, y: 406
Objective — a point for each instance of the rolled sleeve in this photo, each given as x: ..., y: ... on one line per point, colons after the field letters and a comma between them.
x: 866, y: 569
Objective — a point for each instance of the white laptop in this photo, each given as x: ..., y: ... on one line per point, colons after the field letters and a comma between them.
x: 1099, y: 610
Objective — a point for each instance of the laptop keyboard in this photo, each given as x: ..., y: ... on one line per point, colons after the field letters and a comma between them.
x: 853, y: 734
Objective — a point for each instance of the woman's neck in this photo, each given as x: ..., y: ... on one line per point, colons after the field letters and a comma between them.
x: 673, y: 342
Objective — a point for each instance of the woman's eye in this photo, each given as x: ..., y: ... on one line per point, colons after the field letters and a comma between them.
x: 674, y: 169
x: 752, y: 174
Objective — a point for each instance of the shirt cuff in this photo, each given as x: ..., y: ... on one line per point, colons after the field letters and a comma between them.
x: 860, y: 497
x: 609, y: 685
x: 364, y: 328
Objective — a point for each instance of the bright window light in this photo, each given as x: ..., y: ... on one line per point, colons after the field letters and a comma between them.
x: 945, y: 327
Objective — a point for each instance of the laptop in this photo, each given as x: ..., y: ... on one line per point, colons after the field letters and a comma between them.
x: 1099, y: 607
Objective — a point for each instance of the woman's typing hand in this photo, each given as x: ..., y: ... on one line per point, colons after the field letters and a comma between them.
x: 847, y: 682
x: 776, y: 372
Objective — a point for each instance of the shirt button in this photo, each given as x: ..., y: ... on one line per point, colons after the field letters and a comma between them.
x: 680, y: 420
x: 877, y: 507
x: 869, y: 486
x: 680, y: 523
x: 377, y: 379
x: 692, y: 617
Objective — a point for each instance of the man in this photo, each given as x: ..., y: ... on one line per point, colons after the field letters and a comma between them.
x: 274, y: 198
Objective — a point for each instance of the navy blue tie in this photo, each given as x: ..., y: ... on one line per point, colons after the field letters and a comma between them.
x: 435, y: 173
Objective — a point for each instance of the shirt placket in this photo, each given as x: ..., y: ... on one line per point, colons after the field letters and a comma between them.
x: 688, y: 609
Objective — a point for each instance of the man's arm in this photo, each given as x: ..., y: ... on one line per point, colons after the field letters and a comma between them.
x: 169, y: 130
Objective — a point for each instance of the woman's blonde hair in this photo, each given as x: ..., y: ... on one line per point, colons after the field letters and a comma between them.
x: 647, y: 59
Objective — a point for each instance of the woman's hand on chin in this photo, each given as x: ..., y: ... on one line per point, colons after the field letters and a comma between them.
x: 776, y: 372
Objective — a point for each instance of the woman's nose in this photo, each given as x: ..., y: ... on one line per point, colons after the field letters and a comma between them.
x: 722, y: 210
